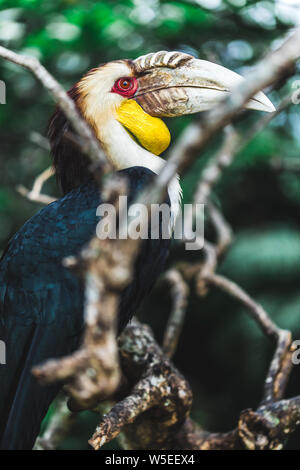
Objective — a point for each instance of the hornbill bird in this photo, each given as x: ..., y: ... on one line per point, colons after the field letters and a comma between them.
x: 41, y: 301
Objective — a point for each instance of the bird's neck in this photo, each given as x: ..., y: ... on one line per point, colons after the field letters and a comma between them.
x: 124, y: 152
x: 121, y: 149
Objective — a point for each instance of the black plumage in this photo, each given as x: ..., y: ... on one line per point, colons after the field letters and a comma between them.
x: 41, y: 301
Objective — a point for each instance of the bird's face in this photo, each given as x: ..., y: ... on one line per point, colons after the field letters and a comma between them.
x: 163, y: 84
x: 110, y: 93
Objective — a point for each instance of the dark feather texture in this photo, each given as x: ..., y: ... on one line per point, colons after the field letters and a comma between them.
x: 71, y: 166
x: 41, y: 302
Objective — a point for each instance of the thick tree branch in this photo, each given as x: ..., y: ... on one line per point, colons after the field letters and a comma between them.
x: 161, y: 395
x: 106, y: 266
x: 267, y: 428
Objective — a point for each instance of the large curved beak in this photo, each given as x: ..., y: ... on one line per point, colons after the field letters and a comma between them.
x: 170, y: 86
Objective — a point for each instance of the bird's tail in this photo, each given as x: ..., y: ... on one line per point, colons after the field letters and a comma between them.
x: 28, y: 402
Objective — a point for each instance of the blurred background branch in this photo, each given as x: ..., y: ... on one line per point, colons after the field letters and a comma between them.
x: 35, y: 193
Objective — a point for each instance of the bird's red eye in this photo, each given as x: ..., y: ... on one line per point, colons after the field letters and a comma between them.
x: 125, y: 86
x: 125, y: 83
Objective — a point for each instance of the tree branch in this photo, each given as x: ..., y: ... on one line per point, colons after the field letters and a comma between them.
x: 179, y: 293
x: 88, y: 142
x: 59, y: 426
x: 160, y: 395
x: 106, y: 266
x: 196, y: 136
x: 35, y: 193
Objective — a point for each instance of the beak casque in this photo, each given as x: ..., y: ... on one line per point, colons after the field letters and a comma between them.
x: 174, y: 83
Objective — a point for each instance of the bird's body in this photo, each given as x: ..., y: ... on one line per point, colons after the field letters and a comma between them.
x: 41, y: 300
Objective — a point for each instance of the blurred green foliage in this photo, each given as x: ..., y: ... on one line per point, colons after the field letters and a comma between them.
x: 221, y: 351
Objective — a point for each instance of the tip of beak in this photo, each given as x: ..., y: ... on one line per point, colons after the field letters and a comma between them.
x: 261, y: 102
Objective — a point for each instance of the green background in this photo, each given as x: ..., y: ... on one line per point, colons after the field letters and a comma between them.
x: 221, y: 352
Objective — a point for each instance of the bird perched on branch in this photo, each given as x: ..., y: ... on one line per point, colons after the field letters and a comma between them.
x: 41, y: 301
